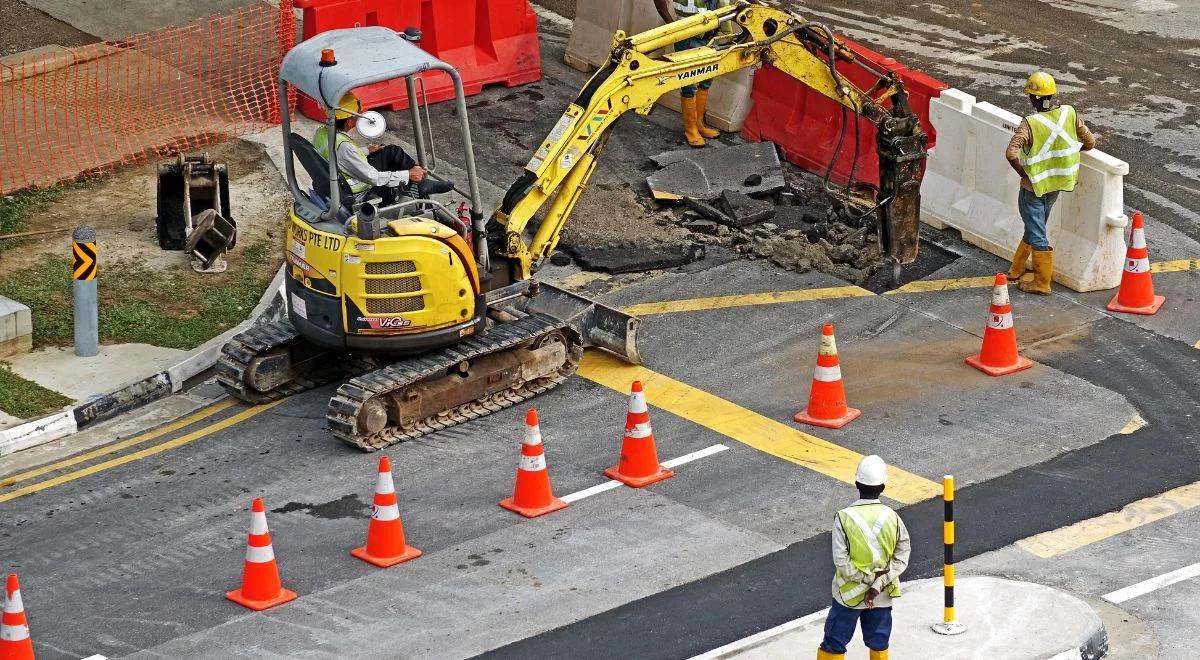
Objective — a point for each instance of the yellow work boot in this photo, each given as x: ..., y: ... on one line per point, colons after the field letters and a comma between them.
x: 879, y: 655
x: 1019, y: 260
x: 691, y: 127
x: 1043, y: 271
x: 822, y: 654
x: 702, y: 109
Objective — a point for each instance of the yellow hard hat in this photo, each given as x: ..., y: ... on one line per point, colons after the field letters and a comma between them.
x: 1041, y: 84
x: 349, y: 104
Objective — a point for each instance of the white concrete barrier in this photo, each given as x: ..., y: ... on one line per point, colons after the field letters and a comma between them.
x: 591, y: 37
x: 971, y: 187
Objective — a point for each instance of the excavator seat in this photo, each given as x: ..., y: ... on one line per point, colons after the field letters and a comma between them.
x: 318, y: 170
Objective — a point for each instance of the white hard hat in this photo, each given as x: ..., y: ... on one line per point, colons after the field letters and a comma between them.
x: 872, y: 471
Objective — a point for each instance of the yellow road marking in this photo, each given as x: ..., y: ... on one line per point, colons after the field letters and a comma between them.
x: 141, y: 453
x: 117, y: 446
x: 1143, y: 512
x: 925, y: 286
x: 1176, y: 266
x: 746, y: 300
x: 1134, y: 424
x: 747, y: 426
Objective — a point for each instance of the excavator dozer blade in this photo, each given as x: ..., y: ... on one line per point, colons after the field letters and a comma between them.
x: 598, y: 325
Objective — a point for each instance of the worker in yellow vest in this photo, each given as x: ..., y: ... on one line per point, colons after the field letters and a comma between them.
x: 870, y: 551
x: 1045, y: 154
x: 693, y: 98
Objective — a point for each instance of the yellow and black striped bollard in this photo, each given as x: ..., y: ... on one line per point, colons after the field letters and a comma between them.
x: 948, y: 625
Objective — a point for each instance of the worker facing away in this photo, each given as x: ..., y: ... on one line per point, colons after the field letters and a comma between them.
x: 384, y: 171
x: 693, y: 98
x: 870, y: 551
x: 1045, y: 154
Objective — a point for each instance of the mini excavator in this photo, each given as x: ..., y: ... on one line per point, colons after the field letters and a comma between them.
x: 430, y: 317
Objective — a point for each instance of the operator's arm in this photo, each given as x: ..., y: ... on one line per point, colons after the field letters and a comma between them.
x: 841, y: 554
x: 1019, y: 142
x: 1085, y: 134
x: 664, y: 10
x: 353, y: 164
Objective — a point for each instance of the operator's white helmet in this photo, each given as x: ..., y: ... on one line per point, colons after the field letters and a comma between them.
x: 872, y: 471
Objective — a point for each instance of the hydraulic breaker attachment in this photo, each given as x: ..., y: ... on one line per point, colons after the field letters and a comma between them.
x: 901, y: 144
x: 598, y: 325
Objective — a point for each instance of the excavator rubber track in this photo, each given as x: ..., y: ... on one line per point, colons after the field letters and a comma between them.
x: 265, y: 337
x: 351, y: 397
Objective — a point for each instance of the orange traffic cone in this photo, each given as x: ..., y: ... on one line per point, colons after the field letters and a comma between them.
x: 999, y: 357
x: 386, y: 545
x: 827, y: 398
x: 532, y: 496
x: 15, y: 642
x: 639, y: 464
x: 1136, y: 295
x: 260, y: 576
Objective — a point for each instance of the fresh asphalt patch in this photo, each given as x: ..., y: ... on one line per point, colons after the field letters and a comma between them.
x: 1158, y: 376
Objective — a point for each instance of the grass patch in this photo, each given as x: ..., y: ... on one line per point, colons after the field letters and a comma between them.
x: 17, y: 209
x: 170, y: 308
x: 25, y: 398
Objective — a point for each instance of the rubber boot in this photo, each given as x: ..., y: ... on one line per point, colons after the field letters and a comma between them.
x: 822, y: 654
x: 691, y: 128
x: 1019, y: 260
x: 879, y: 655
x: 702, y: 109
x: 1043, y: 271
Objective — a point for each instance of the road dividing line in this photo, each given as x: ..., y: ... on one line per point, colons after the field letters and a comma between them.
x: 1176, y: 266
x: 1153, y: 584
x: 1134, y: 424
x: 746, y: 300
x: 1142, y: 512
x: 927, y: 286
x: 141, y: 453
x: 204, y: 412
x: 754, y: 639
x: 613, y: 484
x: 746, y: 426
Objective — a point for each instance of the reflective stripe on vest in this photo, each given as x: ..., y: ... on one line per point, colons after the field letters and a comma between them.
x: 321, y: 142
x: 1053, y: 160
x: 871, y: 532
x: 689, y: 7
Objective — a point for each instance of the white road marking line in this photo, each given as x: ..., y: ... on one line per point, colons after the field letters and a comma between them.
x: 1153, y: 584
x: 764, y: 635
x: 609, y: 485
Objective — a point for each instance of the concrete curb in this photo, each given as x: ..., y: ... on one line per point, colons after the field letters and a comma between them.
x: 140, y: 392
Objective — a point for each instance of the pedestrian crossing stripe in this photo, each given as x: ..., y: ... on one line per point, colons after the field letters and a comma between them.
x: 85, y: 266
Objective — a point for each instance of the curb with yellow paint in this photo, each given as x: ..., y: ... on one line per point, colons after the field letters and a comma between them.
x: 748, y: 427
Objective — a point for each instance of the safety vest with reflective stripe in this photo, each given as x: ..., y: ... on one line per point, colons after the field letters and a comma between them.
x: 871, y: 532
x: 1052, y: 162
x: 321, y: 142
x: 689, y: 7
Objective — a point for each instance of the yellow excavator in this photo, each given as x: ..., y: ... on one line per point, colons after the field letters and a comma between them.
x: 431, y: 317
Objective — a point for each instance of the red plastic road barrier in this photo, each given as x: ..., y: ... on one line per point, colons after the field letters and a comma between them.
x: 806, y: 124
x: 488, y: 41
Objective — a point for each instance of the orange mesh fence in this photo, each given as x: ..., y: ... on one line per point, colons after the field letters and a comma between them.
x: 66, y: 112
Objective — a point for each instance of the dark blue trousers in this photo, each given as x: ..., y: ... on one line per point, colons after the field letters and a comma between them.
x: 840, y: 624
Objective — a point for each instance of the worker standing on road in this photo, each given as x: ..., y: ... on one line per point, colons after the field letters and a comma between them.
x: 693, y: 98
x: 1045, y: 154
x: 384, y: 170
x: 870, y: 551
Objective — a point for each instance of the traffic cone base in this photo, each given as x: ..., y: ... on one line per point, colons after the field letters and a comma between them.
x: 285, y: 595
x: 1020, y: 365
x: 533, y: 511
x: 384, y: 562
x: 614, y: 473
x: 836, y: 423
x: 1115, y: 306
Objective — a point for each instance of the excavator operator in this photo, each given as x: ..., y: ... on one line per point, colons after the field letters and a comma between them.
x: 693, y: 98
x: 385, y: 171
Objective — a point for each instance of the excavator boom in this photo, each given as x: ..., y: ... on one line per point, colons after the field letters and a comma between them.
x: 635, y: 77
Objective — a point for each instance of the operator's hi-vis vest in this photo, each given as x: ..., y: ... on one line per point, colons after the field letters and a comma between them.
x: 321, y: 143
x: 871, y: 532
x: 689, y: 7
x: 1052, y: 162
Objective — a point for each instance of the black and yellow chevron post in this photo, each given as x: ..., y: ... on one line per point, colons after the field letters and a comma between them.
x: 948, y: 626
x: 85, y: 263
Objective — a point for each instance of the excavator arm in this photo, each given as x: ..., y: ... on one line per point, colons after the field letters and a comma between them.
x: 635, y: 77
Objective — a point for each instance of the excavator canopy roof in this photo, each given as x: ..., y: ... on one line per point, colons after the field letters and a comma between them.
x: 364, y: 55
